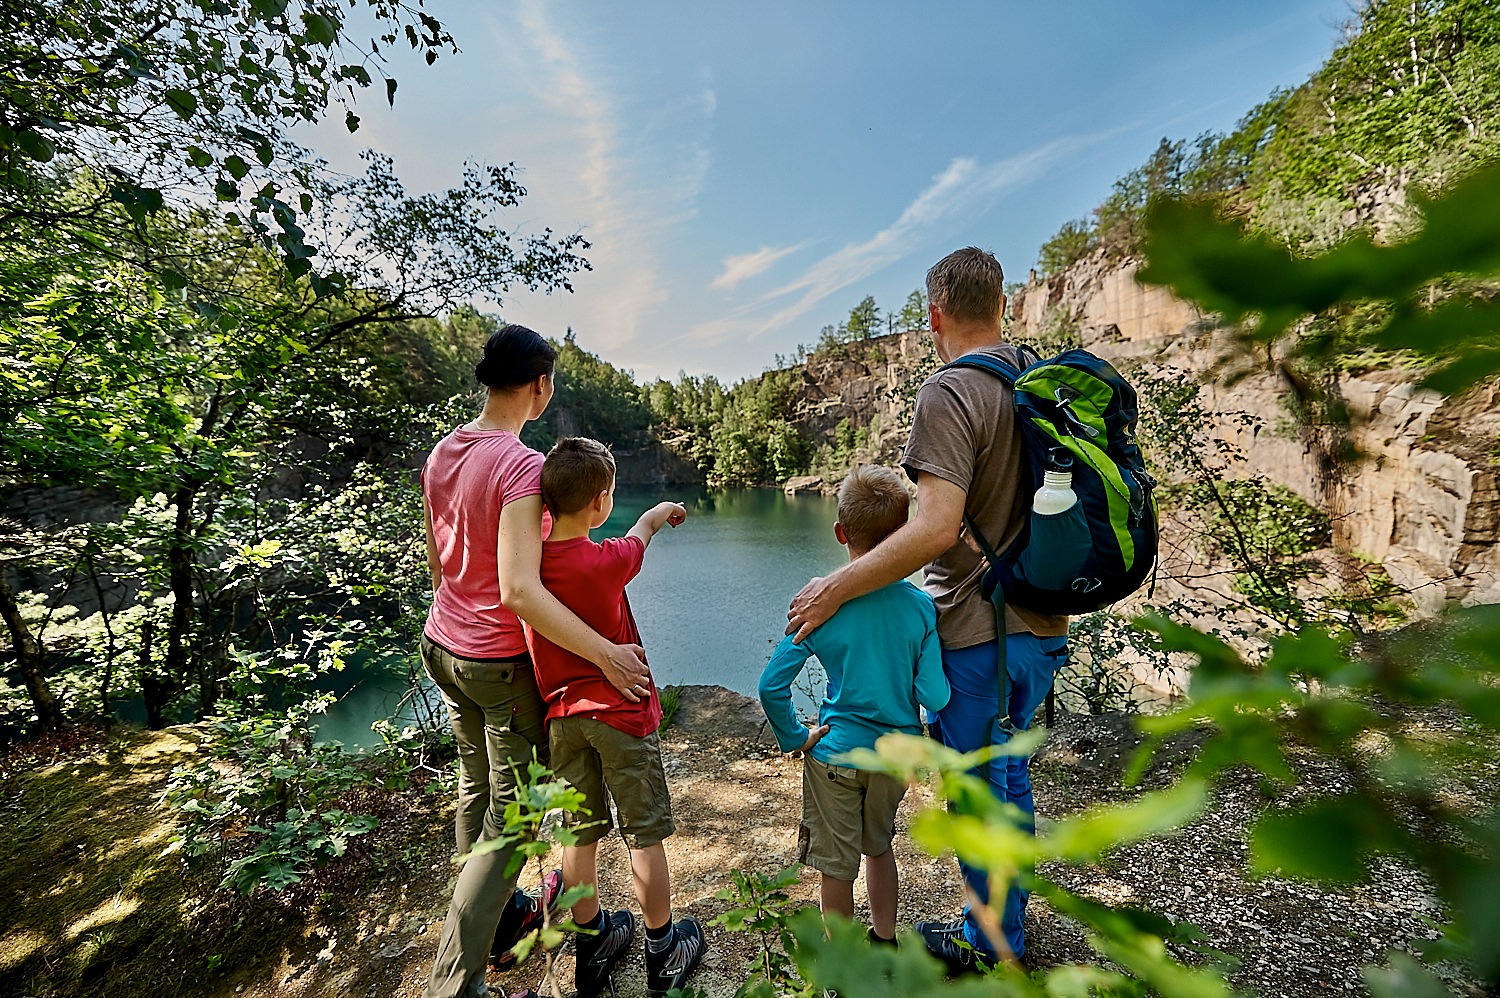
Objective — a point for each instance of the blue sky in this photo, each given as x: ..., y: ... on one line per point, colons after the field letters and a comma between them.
x: 748, y: 173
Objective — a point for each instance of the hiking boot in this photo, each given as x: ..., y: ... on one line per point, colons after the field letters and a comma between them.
x: 945, y: 940
x: 522, y: 915
x: 596, y: 952
x: 668, y: 967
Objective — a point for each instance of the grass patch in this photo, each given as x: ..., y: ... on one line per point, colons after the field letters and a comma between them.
x: 95, y: 899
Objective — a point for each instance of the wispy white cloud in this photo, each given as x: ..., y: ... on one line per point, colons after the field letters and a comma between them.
x: 964, y: 189
x: 744, y: 266
x: 628, y: 168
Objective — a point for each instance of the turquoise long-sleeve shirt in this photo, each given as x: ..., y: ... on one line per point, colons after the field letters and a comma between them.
x: 881, y: 654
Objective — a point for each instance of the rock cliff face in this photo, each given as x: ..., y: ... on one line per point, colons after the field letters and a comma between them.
x: 870, y: 384
x: 654, y: 463
x: 1422, y: 500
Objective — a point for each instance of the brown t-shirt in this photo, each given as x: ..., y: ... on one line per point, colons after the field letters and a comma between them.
x: 964, y: 432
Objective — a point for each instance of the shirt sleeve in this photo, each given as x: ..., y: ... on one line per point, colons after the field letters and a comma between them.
x: 932, y: 686
x: 776, y: 692
x: 942, y: 441
x: 521, y: 478
x: 626, y: 556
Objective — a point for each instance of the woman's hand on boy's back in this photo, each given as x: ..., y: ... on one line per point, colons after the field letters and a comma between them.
x: 624, y: 666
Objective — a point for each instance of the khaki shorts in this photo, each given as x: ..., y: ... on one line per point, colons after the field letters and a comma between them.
x: 595, y: 758
x: 845, y: 812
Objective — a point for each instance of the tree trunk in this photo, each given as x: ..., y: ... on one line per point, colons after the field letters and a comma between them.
x: 111, y: 646
x: 155, y: 692
x: 180, y: 579
x: 29, y: 658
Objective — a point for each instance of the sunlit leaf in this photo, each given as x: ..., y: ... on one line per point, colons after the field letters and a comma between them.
x: 1329, y: 839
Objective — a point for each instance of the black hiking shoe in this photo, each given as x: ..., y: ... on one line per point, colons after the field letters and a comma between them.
x: 668, y: 967
x: 522, y: 915
x: 597, y: 952
x: 945, y: 940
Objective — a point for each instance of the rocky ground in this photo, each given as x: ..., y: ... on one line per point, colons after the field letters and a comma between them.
x: 373, y: 929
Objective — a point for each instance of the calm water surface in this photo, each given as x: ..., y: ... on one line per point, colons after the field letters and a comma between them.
x: 710, y: 601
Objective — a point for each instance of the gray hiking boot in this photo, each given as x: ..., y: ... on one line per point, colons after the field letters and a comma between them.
x: 668, y: 967
x: 597, y: 952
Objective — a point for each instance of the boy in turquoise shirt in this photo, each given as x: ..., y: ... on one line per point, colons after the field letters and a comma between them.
x: 881, y: 655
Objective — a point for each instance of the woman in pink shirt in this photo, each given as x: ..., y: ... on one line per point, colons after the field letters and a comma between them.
x: 481, y: 491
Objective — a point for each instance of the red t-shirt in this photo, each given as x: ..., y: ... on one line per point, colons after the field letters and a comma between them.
x: 468, y: 478
x: 589, y: 578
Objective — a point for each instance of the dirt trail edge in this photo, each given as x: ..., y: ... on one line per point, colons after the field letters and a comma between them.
x: 89, y: 905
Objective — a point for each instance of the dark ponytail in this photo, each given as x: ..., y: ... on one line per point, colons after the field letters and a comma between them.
x: 514, y: 355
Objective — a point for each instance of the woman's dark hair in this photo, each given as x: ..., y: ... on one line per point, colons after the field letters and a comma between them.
x: 514, y: 355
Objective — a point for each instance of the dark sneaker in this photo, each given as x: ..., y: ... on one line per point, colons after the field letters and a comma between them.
x: 522, y: 915
x: 945, y: 940
x: 878, y: 941
x: 597, y: 952
x: 669, y: 967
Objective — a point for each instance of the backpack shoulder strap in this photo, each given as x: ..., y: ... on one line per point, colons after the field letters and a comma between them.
x: 1001, y: 369
x: 1006, y: 372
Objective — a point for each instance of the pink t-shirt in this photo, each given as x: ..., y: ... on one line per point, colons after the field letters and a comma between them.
x: 589, y: 578
x: 468, y: 478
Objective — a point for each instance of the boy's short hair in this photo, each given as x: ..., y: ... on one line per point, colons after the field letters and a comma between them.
x: 967, y: 284
x: 873, y: 503
x: 576, y: 470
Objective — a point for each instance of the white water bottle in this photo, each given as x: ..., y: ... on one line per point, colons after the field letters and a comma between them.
x: 1056, y: 494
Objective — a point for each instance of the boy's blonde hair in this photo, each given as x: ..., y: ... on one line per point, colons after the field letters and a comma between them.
x: 576, y: 470
x: 873, y: 503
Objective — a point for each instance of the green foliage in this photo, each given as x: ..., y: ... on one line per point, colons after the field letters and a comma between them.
x: 1071, y: 243
x: 864, y: 320
x: 1268, y: 541
x: 193, y: 395
x: 913, y: 314
x: 268, y: 805
x: 1217, y: 263
x: 200, y: 89
x: 835, y: 956
x: 1412, y: 81
x: 1316, y: 684
x: 1266, y: 527
x: 762, y: 906
x: 737, y: 437
x: 1106, y: 655
x: 1406, y: 797
x: 1408, y: 97
x: 988, y: 834
x: 1118, y: 221
x: 593, y: 399
x: 671, y: 701
x: 538, y: 794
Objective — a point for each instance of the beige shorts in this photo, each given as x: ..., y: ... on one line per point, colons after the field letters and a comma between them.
x: 602, y: 762
x: 845, y: 812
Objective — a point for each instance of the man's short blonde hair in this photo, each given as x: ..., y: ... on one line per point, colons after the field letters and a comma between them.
x: 873, y: 503
x: 968, y: 285
x: 576, y: 470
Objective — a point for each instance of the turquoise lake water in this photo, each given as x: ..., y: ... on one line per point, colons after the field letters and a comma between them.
x: 710, y: 601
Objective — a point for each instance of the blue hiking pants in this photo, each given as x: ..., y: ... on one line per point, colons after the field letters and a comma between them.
x: 969, y: 722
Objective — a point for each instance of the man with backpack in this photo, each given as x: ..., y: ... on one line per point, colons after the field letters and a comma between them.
x: 966, y: 455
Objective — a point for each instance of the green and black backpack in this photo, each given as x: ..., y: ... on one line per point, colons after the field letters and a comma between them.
x: 1074, y: 411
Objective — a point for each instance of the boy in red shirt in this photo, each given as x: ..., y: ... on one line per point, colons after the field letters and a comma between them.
x: 601, y: 741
